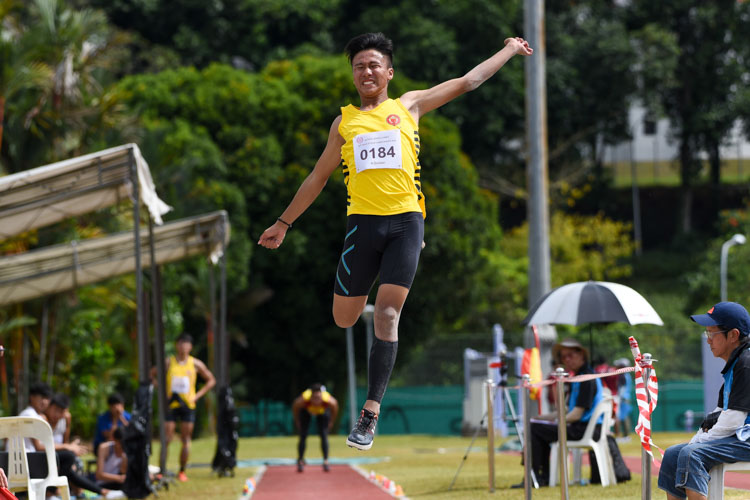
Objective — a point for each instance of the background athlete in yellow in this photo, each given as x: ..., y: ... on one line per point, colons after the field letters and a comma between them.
x: 373, y: 178
x: 315, y: 402
x: 182, y: 376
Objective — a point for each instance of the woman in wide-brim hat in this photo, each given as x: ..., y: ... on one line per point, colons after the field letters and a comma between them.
x: 570, y: 344
x: 581, y: 400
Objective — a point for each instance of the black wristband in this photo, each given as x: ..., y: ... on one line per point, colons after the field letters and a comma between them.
x: 288, y: 226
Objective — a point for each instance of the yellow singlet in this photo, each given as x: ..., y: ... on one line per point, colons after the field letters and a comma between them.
x: 314, y: 409
x: 181, y: 381
x: 380, y: 160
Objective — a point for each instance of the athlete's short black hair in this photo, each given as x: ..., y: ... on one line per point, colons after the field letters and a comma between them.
x: 377, y: 41
x: 316, y: 387
x: 185, y: 337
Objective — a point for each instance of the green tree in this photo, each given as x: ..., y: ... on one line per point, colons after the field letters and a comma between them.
x: 581, y: 248
x: 53, y: 81
x: 704, y: 284
x: 69, y: 111
x: 590, y: 88
x: 248, y: 33
x: 590, y: 59
x: 19, y: 71
x: 699, y: 97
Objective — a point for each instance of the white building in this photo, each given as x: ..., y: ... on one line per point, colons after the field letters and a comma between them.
x: 652, y: 142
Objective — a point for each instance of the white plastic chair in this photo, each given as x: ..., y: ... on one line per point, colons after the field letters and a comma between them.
x: 716, y: 484
x: 15, y: 429
x: 599, y: 446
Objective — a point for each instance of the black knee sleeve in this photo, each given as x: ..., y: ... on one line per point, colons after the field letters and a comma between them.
x: 382, y: 359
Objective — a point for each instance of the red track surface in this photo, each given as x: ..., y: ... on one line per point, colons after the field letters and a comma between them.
x: 342, y: 483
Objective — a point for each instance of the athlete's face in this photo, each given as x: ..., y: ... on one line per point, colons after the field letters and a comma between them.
x: 184, y: 348
x: 371, y: 71
x: 316, y: 398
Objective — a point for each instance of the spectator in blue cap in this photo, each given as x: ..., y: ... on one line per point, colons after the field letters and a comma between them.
x: 723, y: 436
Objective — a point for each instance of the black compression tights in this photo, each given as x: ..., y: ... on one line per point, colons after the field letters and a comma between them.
x: 382, y: 359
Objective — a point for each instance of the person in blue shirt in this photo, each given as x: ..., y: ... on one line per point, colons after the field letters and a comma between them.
x: 624, y: 396
x: 581, y: 399
x: 114, y: 417
x: 723, y: 436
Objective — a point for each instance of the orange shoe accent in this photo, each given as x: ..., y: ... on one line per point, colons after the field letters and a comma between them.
x: 182, y: 476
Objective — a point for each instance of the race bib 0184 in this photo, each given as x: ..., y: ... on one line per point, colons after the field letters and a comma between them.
x: 378, y: 150
x: 181, y: 385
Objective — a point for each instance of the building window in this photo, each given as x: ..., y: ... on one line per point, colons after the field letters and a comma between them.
x: 649, y: 126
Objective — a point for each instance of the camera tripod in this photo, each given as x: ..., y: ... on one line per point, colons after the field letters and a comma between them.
x: 513, y: 417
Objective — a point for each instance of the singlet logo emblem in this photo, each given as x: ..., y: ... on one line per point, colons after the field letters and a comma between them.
x: 393, y: 120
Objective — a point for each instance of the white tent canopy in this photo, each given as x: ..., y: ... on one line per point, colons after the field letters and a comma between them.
x: 58, y: 268
x: 45, y: 195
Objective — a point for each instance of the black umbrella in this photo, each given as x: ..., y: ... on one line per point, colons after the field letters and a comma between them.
x: 592, y: 302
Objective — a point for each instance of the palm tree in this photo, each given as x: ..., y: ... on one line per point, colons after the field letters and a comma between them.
x: 75, y: 49
x: 19, y: 71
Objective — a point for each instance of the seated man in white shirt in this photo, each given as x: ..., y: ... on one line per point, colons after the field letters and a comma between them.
x: 723, y: 437
x: 40, y: 395
x: 39, y: 398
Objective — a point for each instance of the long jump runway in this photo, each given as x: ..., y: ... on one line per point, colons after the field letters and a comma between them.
x: 283, y: 482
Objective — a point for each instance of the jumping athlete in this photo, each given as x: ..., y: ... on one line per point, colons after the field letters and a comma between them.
x: 319, y: 403
x: 377, y: 145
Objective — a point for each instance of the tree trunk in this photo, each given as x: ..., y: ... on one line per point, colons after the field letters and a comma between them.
x: 686, y: 174
x: 2, y: 118
x: 714, y: 159
x: 43, y: 336
x: 18, y: 355
x: 52, y: 347
x: 4, y: 381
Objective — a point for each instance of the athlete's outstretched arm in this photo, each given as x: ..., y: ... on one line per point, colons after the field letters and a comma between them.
x: 309, y: 190
x: 420, y: 102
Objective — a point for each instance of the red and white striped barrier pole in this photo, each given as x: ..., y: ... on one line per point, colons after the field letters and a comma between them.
x: 646, y: 394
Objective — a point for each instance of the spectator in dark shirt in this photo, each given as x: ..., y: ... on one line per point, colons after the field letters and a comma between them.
x: 582, y: 398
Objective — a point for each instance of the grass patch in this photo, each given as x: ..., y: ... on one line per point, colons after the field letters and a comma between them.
x: 667, y: 173
x: 423, y: 465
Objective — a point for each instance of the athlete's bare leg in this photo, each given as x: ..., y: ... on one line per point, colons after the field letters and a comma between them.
x: 186, y: 434
x: 169, y: 428
x: 346, y: 310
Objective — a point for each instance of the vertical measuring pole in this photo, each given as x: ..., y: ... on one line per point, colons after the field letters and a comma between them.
x: 490, y: 435
x: 526, y: 402
x: 562, y: 436
x: 645, y: 457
